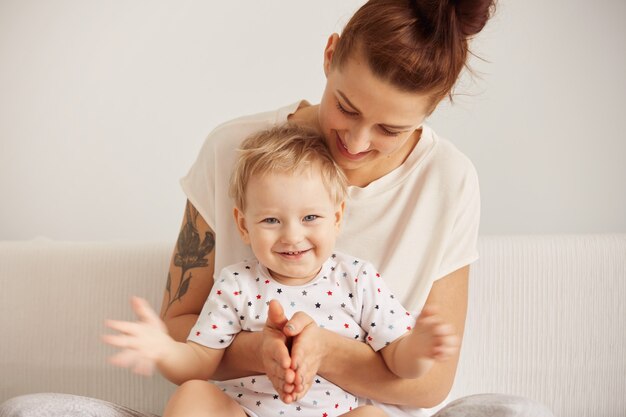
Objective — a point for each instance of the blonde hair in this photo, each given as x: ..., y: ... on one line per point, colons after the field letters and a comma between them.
x: 286, y: 149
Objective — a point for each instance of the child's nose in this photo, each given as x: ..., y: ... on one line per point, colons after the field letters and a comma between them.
x: 292, y: 234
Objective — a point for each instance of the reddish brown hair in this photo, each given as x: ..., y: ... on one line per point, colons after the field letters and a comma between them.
x: 417, y: 45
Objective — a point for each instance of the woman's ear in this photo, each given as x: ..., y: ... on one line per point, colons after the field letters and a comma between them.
x: 240, y: 221
x: 329, y: 51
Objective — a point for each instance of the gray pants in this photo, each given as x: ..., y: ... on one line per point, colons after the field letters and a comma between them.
x: 64, y: 405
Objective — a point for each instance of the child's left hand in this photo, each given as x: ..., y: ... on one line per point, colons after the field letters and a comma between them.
x: 435, y: 339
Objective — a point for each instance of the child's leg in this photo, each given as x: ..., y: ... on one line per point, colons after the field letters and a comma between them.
x: 201, y: 399
x: 365, y: 411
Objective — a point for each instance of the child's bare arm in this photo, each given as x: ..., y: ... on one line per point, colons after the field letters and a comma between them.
x: 430, y: 340
x: 146, y: 344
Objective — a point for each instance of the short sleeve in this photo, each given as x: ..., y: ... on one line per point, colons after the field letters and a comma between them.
x: 461, y: 246
x: 199, y: 184
x: 218, y: 322
x: 383, y: 318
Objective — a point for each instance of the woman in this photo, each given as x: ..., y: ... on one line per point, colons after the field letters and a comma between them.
x: 413, y: 208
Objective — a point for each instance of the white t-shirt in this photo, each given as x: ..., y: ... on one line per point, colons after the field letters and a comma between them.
x: 416, y: 224
x: 348, y: 296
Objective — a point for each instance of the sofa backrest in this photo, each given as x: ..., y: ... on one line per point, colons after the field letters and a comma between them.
x: 546, y: 320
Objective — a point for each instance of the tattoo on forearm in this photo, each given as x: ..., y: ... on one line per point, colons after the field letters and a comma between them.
x: 190, y: 253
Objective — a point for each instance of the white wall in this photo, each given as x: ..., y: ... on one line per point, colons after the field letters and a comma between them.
x: 104, y: 105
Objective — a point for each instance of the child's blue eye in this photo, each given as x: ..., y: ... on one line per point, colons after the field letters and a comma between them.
x: 270, y: 220
x: 310, y: 217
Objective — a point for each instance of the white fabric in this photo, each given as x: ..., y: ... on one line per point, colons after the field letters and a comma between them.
x: 348, y: 296
x: 416, y: 224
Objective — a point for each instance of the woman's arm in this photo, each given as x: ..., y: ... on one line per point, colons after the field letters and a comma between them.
x: 190, y: 276
x: 355, y: 367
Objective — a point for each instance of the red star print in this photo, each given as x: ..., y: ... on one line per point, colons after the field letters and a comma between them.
x: 356, y: 280
x: 346, y: 325
x: 369, y: 338
x: 379, y: 290
x: 214, y: 326
x: 197, y: 333
x: 377, y: 275
x: 408, y: 327
x: 258, y: 297
x: 237, y: 292
x: 219, y: 292
x: 336, y: 405
x: 325, y: 415
x: 329, y: 293
x: 267, y: 281
x: 407, y: 313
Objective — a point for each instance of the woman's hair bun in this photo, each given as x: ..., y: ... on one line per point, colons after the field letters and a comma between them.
x: 440, y: 16
x: 472, y: 15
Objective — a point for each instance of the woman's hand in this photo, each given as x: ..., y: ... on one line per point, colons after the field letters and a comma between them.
x: 307, y: 351
x: 274, y: 353
x: 143, y: 342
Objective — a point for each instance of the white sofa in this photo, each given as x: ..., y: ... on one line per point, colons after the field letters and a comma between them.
x: 546, y: 320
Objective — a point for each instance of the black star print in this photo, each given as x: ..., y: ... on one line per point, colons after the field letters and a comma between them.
x: 377, y: 308
x: 275, y: 396
x: 236, y: 273
x: 258, y: 279
x: 355, y: 262
x: 330, y: 317
x: 247, y: 267
x: 256, y: 318
x: 392, y: 312
x: 241, y: 317
x: 333, y: 256
x: 298, y: 408
x: 279, y: 291
x: 317, y: 305
x: 221, y: 340
x: 317, y: 381
x: 373, y: 324
x: 258, y: 403
x: 253, y: 381
x: 343, y: 305
x: 239, y: 395
x: 304, y: 293
x: 249, y: 303
x: 392, y: 296
x: 350, y: 295
x: 224, y: 306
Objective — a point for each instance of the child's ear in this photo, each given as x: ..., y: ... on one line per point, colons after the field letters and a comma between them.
x: 339, y: 215
x: 240, y: 221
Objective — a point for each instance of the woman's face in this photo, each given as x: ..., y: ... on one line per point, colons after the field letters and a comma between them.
x: 370, y: 126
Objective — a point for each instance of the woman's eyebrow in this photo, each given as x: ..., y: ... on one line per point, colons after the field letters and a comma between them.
x: 349, y: 103
x: 343, y: 96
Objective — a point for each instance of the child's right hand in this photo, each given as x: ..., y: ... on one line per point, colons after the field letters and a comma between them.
x: 142, y: 342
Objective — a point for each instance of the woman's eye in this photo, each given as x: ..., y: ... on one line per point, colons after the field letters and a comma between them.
x: 388, y: 132
x: 344, y: 111
x: 270, y: 220
x: 310, y: 217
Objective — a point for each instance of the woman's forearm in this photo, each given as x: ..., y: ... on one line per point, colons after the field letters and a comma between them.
x: 356, y: 368
x: 241, y: 357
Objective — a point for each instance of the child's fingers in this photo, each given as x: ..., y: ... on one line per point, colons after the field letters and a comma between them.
x: 118, y: 340
x: 124, y: 359
x: 126, y: 327
x: 145, y: 312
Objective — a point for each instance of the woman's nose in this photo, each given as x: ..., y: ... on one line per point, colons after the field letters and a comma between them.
x: 357, y: 140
